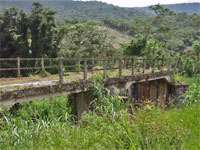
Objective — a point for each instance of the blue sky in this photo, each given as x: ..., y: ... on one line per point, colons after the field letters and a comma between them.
x: 142, y: 3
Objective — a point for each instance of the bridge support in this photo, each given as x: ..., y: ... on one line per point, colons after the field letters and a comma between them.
x: 155, y: 91
x: 80, y: 102
x: 139, y: 92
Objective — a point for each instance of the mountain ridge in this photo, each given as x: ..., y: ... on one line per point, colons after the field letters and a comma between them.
x: 190, y: 8
x: 96, y: 10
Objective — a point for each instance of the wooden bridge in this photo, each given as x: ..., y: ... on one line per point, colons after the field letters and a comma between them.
x: 137, y: 78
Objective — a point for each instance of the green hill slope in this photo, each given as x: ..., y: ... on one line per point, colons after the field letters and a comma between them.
x: 91, y: 10
x: 95, y: 10
x: 189, y: 8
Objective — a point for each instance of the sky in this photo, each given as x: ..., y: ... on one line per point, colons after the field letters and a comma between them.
x: 142, y: 3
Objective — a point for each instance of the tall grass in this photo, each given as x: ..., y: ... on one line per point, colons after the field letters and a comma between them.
x: 109, y: 125
x: 193, y: 93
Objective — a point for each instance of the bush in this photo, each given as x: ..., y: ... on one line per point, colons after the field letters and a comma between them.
x: 192, y: 95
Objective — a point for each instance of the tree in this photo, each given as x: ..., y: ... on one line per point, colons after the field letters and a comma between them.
x: 142, y: 46
x: 43, y: 31
x: 14, y: 33
x: 163, y: 18
x: 196, y: 46
x: 161, y: 11
x: 136, y: 45
x: 84, y: 40
x: 153, y: 49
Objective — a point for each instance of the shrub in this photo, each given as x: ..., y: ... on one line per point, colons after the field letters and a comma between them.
x: 192, y: 95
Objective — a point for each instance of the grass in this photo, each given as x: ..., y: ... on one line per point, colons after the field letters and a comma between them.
x: 146, y: 129
x: 185, y: 79
x: 49, y: 124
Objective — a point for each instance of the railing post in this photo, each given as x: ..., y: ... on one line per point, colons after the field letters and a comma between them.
x: 120, y: 67
x: 154, y: 65
x: 79, y: 63
x: 133, y: 66
x: 61, y: 70
x: 125, y: 63
x: 18, y: 67
x: 186, y: 64
x: 85, y: 70
x: 177, y: 64
x: 114, y: 61
x: 197, y: 64
x: 104, y: 68
x: 162, y: 64
x: 169, y: 64
x: 144, y: 65
x: 42, y: 66
x: 92, y: 64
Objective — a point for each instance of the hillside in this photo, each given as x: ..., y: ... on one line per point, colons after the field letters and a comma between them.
x: 115, y: 37
x: 95, y: 10
x: 189, y: 8
x: 91, y: 10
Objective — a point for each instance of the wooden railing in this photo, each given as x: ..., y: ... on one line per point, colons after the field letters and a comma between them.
x: 85, y: 65
x: 88, y: 65
x: 19, y: 68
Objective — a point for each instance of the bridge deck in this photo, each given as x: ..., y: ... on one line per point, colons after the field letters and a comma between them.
x: 12, y: 96
x: 34, y: 81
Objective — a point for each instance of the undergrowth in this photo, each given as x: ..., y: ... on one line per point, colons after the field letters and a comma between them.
x: 109, y: 125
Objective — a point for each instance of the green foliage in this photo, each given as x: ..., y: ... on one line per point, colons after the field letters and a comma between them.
x: 103, y: 102
x: 47, y: 109
x: 153, y: 49
x: 196, y: 46
x: 42, y: 27
x: 96, y: 10
x: 145, y: 129
x: 28, y: 36
x: 176, y: 33
x: 189, y: 8
x: 141, y: 45
x: 189, y: 66
x: 161, y: 11
x: 14, y: 33
x: 77, y: 9
x: 84, y: 40
x: 192, y: 96
x: 136, y: 45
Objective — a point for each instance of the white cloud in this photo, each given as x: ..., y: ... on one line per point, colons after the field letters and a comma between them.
x: 141, y: 3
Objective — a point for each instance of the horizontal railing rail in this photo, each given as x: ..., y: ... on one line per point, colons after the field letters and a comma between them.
x: 85, y: 65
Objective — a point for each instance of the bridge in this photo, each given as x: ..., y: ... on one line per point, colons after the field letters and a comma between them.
x: 138, y: 79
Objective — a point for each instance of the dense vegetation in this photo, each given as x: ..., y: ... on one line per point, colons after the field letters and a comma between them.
x: 177, y: 33
x: 77, y: 9
x: 39, y: 34
x: 189, y: 8
x: 95, y: 10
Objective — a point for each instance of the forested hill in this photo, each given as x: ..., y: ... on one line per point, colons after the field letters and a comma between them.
x: 189, y: 8
x: 77, y: 9
x: 95, y: 10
